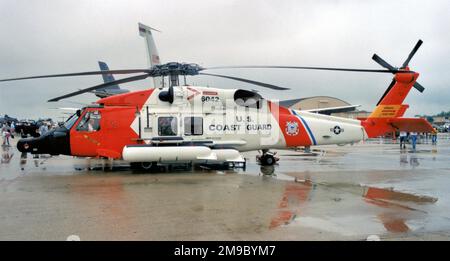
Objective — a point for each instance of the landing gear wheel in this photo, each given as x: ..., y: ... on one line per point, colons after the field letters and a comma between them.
x: 146, y: 165
x: 267, y: 160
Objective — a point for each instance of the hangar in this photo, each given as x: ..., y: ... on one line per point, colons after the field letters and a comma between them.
x: 318, y: 102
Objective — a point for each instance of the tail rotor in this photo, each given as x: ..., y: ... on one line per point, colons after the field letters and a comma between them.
x: 403, y: 68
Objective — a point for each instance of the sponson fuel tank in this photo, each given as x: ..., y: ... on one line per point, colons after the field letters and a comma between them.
x: 145, y: 153
x: 170, y: 153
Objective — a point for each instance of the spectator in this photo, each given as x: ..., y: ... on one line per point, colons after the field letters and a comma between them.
x: 6, y: 134
x: 413, y: 139
x: 403, y: 135
x: 43, y: 129
x: 434, y: 136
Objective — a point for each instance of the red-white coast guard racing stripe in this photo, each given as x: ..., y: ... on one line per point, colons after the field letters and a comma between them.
x: 295, y: 130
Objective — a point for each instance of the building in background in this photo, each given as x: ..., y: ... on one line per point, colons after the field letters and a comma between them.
x: 319, y: 102
x: 441, y: 120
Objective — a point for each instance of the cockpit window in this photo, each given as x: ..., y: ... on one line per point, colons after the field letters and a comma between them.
x: 90, y: 122
x: 71, y: 121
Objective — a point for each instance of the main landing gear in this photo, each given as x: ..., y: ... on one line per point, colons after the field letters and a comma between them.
x: 267, y: 158
x: 146, y: 166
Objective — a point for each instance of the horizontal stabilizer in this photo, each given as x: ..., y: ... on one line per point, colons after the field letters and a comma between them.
x: 411, y: 124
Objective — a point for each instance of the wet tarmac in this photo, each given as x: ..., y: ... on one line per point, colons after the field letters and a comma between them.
x: 333, y: 193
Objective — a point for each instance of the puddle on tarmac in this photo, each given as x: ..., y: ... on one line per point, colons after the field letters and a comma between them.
x: 349, y: 207
x: 392, y: 209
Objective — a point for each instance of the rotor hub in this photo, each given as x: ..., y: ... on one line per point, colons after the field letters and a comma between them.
x: 175, y: 68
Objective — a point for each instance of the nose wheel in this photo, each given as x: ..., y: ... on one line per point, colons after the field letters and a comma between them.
x: 267, y: 158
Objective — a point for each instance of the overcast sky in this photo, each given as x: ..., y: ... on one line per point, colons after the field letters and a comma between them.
x: 59, y: 36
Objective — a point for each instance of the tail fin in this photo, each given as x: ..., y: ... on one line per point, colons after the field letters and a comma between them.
x: 110, y: 90
x: 107, y: 77
x: 387, y: 115
x: 153, y: 56
x: 390, y: 104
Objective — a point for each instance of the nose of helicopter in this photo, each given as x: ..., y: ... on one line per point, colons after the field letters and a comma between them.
x: 54, y: 142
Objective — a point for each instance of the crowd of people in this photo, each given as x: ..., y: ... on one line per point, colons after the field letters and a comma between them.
x: 9, y: 130
x: 413, y: 137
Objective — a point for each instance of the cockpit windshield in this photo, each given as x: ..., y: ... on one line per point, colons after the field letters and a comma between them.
x: 71, y: 121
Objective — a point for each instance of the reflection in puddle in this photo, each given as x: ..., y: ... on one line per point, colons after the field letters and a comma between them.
x: 267, y: 170
x: 393, y: 208
x: 394, y: 217
x: 7, y: 154
x: 294, y: 196
x: 390, y: 194
x: 403, y: 158
x: 413, y: 159
x: 392, y: 223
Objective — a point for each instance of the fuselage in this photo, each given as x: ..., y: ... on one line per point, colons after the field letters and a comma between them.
x: 199, y: 116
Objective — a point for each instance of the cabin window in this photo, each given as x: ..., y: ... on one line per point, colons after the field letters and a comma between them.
x: 167, y: 126
x: 90, y: 122
x: 193, y: 126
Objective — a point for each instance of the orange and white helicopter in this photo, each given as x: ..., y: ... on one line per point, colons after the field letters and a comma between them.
x: 184, y: 123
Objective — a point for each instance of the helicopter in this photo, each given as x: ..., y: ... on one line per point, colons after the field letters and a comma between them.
x: 184, y: 123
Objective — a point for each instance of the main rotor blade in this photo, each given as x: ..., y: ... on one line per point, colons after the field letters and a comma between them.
x: 419, y: 87
x: 265, y: 85
x: 298, y: 67
x: 387, y: 91
x: 130, y: 71
x: 416, y: 85
x: 100, y: 86
x: 383, y: 63
x: 411, y: 54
